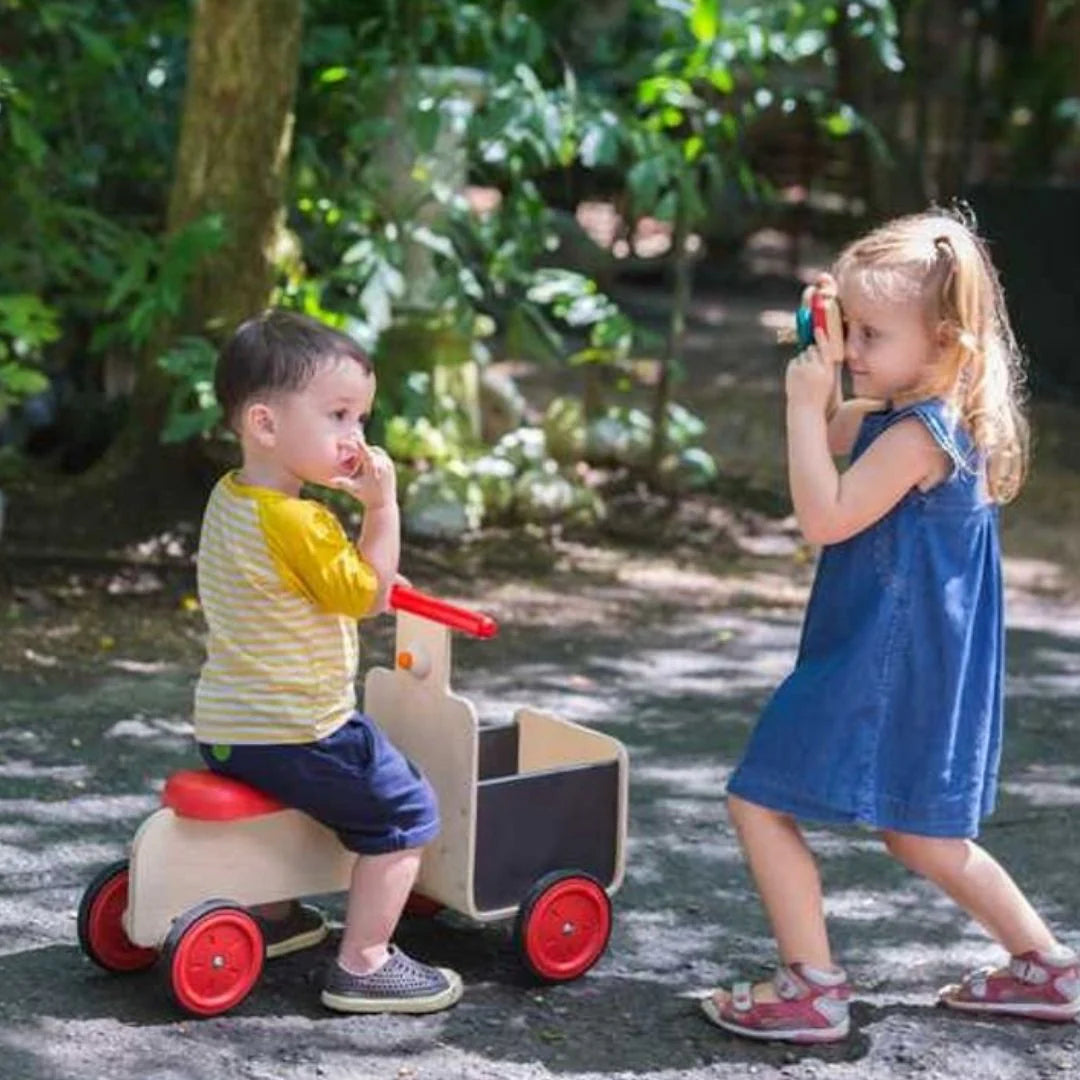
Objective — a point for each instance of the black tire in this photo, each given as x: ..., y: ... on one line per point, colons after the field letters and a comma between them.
x: 101, y: 933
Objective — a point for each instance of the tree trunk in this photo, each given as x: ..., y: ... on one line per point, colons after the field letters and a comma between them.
x: 235, y: 138
x: 672, y: 358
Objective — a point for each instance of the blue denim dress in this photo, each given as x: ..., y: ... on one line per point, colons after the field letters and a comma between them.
x: 892, y: 717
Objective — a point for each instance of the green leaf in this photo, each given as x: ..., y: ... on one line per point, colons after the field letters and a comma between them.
x: 705, y: 20
x: 26, y: 137
x: 192, y: 358
x: 720, y: 77
x: 646, y: 179
x: 671, y: 116
x: 331, y: 75
x: 130, y: 281
x: 433, y: 241
x: 22, y: 380
x: 551, y: 285
x: 600, y: 142
x: 360, y: 252
x: 668, y: 206
x: 97, y: 47
x: 841, y: 122
x: 586, y: 310
x: 183, y: 426
x: 426, y: 125
x: 383, y: 287
x: 27, y: 318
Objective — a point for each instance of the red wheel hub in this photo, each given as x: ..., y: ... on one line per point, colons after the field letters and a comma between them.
x: 108, y: 942
x: 217, y: 961
x: 568, y: 928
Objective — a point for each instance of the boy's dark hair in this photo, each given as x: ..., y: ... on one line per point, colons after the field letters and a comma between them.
x: 277, y: 350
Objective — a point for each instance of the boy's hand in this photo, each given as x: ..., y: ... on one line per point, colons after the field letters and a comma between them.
x: 374, y: 483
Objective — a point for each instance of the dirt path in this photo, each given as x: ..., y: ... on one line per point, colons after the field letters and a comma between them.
x: 673, y: 661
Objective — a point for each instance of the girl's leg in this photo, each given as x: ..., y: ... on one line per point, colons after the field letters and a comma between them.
x: 380, y: 886
x: 788, y: 882
x: 979, y: 884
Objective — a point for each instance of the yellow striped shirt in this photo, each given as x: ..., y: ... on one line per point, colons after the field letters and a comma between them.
x: 281, y: 587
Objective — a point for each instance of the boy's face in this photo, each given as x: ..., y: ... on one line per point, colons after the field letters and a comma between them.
x: 312, y: 435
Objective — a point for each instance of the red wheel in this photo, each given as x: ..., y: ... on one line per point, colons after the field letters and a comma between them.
x: 101, y: 928
x: 215, y: 954
x: 419, y: 906
x: 563, y: 925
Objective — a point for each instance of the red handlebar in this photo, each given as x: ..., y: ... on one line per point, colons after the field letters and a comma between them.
x: 406, y: 598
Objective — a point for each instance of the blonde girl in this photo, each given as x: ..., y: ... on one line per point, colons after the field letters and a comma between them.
x: 892, y: 716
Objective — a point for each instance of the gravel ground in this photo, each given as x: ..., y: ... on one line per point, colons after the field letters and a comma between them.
x: 674, y: 665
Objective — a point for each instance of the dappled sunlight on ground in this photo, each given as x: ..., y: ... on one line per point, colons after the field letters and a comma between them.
x: 673, y: 653
x: 1047, y: 785
x: 677, y: 671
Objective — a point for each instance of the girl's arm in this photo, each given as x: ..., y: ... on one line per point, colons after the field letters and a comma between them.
x: 844, y: 423
x: 831, y: 506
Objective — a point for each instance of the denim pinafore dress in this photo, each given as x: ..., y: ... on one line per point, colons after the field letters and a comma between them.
x: 892, y: 717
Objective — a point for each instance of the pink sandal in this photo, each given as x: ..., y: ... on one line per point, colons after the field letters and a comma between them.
x: 813, y: 1007
x: 1039, y: 986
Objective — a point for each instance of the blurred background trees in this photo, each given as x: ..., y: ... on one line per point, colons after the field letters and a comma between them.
x: 462, y: 184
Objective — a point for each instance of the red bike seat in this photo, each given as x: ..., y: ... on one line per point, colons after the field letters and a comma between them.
x: 199, y: 793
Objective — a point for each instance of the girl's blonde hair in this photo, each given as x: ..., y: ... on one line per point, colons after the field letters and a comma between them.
x: 938, y: 259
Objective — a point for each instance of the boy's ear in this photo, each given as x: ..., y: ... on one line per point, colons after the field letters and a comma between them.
x: 260, y: 424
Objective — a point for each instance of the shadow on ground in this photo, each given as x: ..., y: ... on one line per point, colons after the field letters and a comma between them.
x: 679, y: 683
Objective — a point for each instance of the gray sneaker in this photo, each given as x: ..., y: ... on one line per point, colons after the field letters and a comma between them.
x: 303, y: 927
x: 401, y: 985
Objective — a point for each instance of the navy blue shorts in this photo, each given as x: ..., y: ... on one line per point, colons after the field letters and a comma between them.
x: 355, y: 781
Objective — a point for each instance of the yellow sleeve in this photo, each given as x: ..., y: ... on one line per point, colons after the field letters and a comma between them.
x: 315, y: 557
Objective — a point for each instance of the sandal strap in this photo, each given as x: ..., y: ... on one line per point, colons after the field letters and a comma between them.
x: 742, y: 997
x: 975, y: 981
x: 789, y: 985
x: 1028, y: 970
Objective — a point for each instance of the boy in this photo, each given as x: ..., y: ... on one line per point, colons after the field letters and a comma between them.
x: 282, y: 588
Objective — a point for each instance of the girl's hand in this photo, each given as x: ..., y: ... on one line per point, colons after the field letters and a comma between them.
x: 831, y: 343
x: 811, y: 379
x: 374, y: 483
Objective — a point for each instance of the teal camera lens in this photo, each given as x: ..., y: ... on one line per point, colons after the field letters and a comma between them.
x: 804, y: 327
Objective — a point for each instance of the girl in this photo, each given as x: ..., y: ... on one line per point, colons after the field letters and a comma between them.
x: 892, y: 717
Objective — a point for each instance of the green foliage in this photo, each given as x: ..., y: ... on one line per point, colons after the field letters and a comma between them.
x: 89, y: 104
x: 26, y: 327
x: 149, y: 292
x: 721, y: 68
x: 90, y: 95
x: 193, y: 408
x: 653, y: 98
